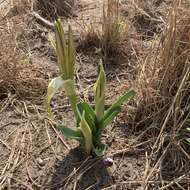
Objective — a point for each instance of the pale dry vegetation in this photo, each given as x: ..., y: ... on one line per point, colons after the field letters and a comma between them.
x: 10, y: 65
x: 164, y: 80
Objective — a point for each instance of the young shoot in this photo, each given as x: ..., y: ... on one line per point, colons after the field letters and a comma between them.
x: 90, y: 123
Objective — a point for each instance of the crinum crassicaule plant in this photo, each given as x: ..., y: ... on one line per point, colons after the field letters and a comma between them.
x: 90, y: 122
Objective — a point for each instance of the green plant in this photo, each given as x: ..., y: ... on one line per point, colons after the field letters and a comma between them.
x: 90, y: 122
x: 66, y: 59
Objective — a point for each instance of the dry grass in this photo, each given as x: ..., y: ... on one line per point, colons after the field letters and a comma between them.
x: 164, y: 80
x: 114, y: 29
x: 17, y: 76
x: 111, y: 37
x: 165, y: 65
x: 51, y: 9
x: 9, y: 63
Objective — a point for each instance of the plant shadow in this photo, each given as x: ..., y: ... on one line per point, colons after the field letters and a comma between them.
x: 77, y: 171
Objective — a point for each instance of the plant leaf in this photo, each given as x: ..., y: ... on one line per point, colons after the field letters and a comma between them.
x: 87, y: 133
x: 99, y: 91
x: 71, y: 54
x: 71, y: 133
x: 100, y: 150
x: 109, y: 118
x: 69, y: 87
x: 90, y: 115
x: 61, y: 49
x: 87, y: 108
x: 119, y: 102
x: 70, y: 91
x: 56, y: 85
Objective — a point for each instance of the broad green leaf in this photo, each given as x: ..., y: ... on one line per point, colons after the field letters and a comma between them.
x: 188, y: 130
x: 90, y: 115
x: 99, y: 91
x: 87, y: 133
x: 100, y: 150
x: 71, y: 133
x: 88, y: 108
x: 120, y: 101
x: 56, y: 85
x: 109, y: 118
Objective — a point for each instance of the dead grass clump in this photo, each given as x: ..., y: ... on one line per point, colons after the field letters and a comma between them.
x: 165, y: 102
x: 16, y: 8
x: 51, y: 9
x: 162, y: 74
x: 90, y: 38
x: 9, y: 64
x: 149, y: 17
x: 111, y: 38
x: 17, y: 75
x: 114, y: 29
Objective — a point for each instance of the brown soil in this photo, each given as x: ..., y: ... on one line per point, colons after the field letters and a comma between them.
x: 34, y: 155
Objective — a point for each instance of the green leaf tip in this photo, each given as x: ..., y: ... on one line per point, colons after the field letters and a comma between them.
x: 99, y: 91
x: 100, y: 150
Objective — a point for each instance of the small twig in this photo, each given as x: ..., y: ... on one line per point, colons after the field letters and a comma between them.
x: 49, y: 139
x: 28, y: 170
x: 42, y: 20
x: 127, y: 149
x: 146, y: 169
x: 75, y: 182
x: 8, y: 101
x: 154, y: 167
x: 91, y: 165
x: 91, y: 186
x: 170, y: 111
x: 5, y: 125
x: 5, y: 144
x: 173, y: 182
x: 70, y: 176
x: 65, y: 144
x: 184, y: 152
